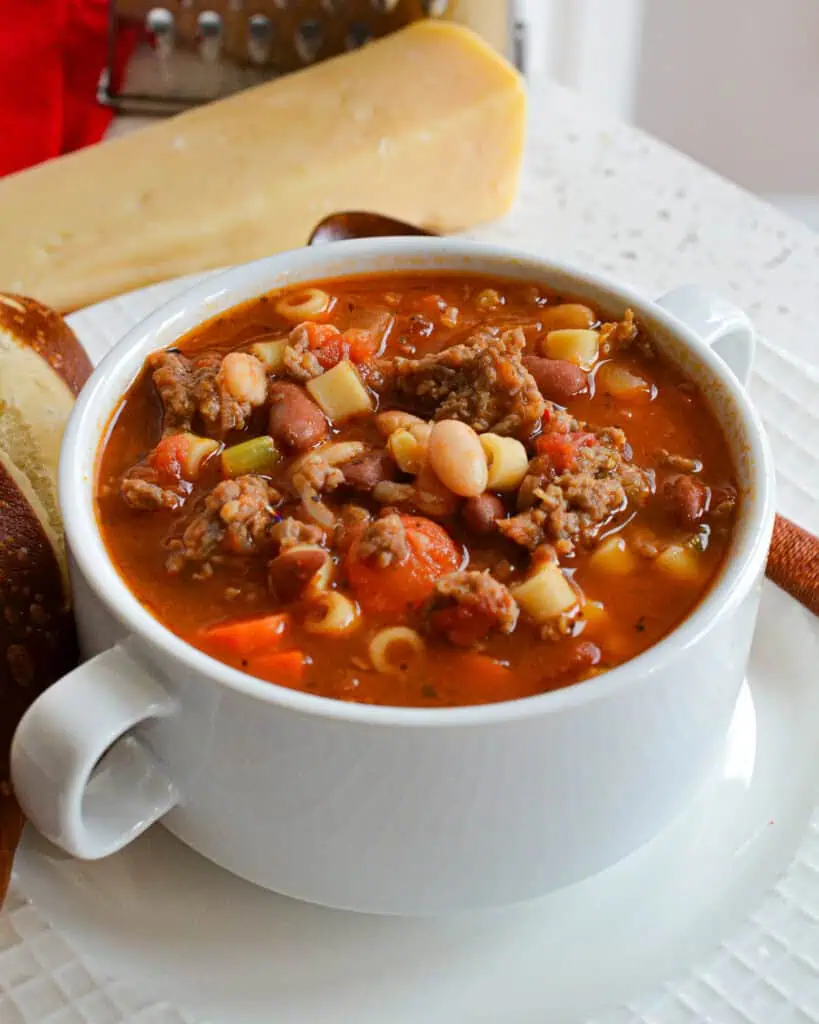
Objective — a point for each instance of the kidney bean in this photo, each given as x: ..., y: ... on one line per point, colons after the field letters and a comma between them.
x: 481, y: 512
x: 686, y: 498
x: 369, y: 469
x: 579, y: 658
x: 289, y: 574
x: 557, y: 379
x: 295, y: 419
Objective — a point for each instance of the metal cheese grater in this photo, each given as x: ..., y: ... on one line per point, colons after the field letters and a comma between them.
x: 192, y: 52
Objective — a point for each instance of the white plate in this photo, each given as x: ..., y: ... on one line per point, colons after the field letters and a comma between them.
x: 169, y: 926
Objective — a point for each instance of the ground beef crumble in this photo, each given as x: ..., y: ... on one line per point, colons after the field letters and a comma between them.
x: 618, y: 334
x: 466, y: 606
x: 569, y: 507
x: 141, y: 488
x: 237, y: 518
x: 384, y: 542
x: 481, y: 381
x: 300, y: 362
x: 194, y: 389
x: 315, y: 475
x: 290, y: 531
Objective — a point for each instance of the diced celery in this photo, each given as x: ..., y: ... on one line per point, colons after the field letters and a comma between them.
x: 258, y: 455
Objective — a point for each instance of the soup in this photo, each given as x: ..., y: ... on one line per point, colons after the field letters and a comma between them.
x: 417, y: 489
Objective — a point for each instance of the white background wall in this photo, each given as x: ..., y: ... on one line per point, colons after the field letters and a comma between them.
x: 733, y: 83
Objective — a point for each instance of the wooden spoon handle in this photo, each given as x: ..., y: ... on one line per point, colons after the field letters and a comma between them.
x: 793, y: 562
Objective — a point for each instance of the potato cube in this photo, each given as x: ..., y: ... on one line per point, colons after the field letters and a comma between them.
x: 580, y: 347
x: 614, y: 556
x: 340, y: 393
x: 680, y: 562
x: 546, y: 594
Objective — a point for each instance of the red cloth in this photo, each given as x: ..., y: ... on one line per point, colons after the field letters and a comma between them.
x: 51, y: 56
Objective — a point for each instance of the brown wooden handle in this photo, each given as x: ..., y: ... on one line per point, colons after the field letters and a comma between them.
x: 793, y: 562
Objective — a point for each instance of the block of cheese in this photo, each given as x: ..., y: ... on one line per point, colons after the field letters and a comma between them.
x: 426, y: 125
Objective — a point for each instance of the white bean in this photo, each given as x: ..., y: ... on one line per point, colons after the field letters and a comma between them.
x: 457, y: 458
x: 243, y: 376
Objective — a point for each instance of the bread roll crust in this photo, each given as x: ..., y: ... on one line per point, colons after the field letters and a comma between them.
x: 38, y: 643
x: 43, y: 330
x: 42, y: 368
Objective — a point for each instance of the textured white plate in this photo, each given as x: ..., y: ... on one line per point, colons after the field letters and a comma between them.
x: 157, y: 936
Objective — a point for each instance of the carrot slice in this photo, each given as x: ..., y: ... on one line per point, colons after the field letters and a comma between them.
x: 246, y: 636
x: 489, y: 680
x: 283, y: 667
x: 431, y: 554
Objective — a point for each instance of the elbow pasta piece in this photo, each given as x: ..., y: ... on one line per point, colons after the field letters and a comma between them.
x: 506, y: 460
x: 339, y: 452
x: 394, y: 419
x: 305, y: 304
x: 408, y: 447
x: 332, y: 614
x: 340, y: 393
x: 319, y: 584
x: 580, y: 347
x: 387, y: 645
x: 546, y: 594
x: 614, y: 556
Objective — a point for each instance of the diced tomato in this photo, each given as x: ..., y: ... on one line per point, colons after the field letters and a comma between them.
x: 561, y: 449
x: 169, y: 455
x: 283, y: 667
x: 360, y: 344
x: 326, y: 343
x: 246, y: 636
x: 432, y: 554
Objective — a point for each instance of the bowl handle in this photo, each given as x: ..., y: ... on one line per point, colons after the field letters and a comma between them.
x: 722, y: 326
x: 81, y: 771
